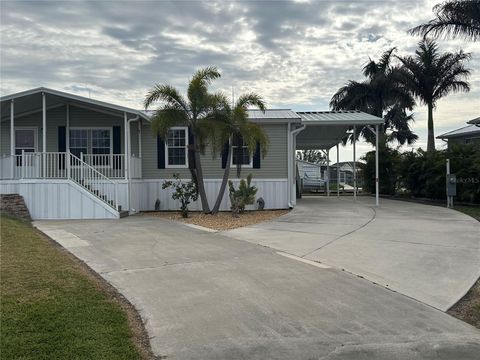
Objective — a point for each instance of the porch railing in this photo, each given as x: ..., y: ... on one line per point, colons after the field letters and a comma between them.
x: 110, y: 165
x: 52, y: 165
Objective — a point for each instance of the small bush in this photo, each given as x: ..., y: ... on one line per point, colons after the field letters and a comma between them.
x: 245, y: 195
x: 185, y: 192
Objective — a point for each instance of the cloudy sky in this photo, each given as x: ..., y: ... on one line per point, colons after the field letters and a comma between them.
x: 295, y: 54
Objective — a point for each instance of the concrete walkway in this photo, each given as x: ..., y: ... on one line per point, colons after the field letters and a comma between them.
x: 206, y: 296
x: 429, y: 253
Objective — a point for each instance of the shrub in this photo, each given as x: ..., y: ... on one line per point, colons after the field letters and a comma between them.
x: 185, y: 192
x: 389, y: 161
x: 245, y: 195
x: 422, y: 174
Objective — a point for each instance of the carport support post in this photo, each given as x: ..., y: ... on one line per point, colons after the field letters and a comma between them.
x: 338, y: 173
x: 354, y: 163
x: 328, y: 172
x: 12, y: 137
x: 376, y: 166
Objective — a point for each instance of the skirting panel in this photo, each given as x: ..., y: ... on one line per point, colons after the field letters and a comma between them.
x: 58, y: 200
x: 144, y: 194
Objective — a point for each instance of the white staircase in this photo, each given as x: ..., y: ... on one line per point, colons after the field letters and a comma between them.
x: 66, y: 166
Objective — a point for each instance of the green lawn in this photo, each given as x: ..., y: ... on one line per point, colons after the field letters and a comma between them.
x: 51, y: 307
x: 473, y: 211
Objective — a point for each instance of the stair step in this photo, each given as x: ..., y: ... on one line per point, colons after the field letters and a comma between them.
x: 123, y: 214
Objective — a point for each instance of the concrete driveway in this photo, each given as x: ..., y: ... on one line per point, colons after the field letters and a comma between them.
x: 429, y: 253
x: 207, y: 296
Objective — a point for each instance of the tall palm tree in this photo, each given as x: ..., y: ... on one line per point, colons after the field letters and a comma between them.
x: 382, y: 95
x: 429, y: 76
x: 236, y: 130
x: 454, y: 18
x: 198, y: 111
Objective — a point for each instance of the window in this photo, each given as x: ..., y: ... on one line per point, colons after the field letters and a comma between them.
x: 176, y: 148
x: 472, y: 140
x: 240, y: 153
x: 78, y: 141
x: 90, y: 141
x: 26, y: 140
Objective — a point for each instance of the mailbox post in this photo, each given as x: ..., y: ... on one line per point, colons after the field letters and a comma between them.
x: 451, y: 181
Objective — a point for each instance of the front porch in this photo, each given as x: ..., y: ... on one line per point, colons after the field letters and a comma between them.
x: 42, y: 128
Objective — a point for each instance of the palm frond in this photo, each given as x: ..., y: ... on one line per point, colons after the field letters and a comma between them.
x: 454, y: 18
x: 167, y: 94
x: 165, y: 118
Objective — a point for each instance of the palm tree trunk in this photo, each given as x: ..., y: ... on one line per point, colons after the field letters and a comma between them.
x: 223, y: 186
x: 431, y: 135
x: 201, y: 183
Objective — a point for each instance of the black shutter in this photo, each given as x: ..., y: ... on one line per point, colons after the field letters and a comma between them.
x: 117, y: 140
x: 225, y: 154
x: 62, y: 139
x: 256, y: 157
x: 160, y: 153
x: 62, y: 145
x: 191, y: 151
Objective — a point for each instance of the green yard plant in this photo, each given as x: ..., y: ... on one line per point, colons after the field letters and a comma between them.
x: 243, y: 196
x: 186, y: 192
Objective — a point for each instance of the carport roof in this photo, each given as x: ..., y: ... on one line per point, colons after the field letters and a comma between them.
x: 344, y: 117
x: 31, y: 101
x: 325, y: 129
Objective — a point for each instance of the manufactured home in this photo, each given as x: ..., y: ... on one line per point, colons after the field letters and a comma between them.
x: 72, y: 157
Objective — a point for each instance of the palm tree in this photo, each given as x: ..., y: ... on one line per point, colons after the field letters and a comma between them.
x: 454, y: 18
x: 429, y: 76
x: 235, y: 130
x: 198, y: 111
x: 382, y: 95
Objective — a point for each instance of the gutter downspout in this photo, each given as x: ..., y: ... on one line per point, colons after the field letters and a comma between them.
x: 128, y: 155
x: 291, y: 156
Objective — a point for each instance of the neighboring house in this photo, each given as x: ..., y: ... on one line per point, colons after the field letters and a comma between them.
x: 469, y: 134
x: 73, y: 157
x: 346, y: 172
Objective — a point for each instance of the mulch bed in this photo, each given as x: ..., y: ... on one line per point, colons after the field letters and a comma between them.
x: 222, y: 220
x: 468, y: 308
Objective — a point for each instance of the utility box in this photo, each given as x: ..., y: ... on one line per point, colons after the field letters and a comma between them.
x: 451, y: 185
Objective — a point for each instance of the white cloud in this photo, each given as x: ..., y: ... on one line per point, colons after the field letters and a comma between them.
x: 295, y: 54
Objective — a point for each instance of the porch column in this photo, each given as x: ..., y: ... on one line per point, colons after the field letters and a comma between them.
x: 376, y: 166
x: 67, y: 129
x: 140, y: 146
x: 44, y: 120
x: 354, y: 163
x: 125, y: 133
x: 12, y: 139
x: 12, y: 128
x: 338, y: 173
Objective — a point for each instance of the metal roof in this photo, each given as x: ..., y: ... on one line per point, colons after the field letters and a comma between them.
x: 474, y: 121
x: 273, y: 114
x: 463, y: 131
x: 57, y: 97
x: 347, y: 117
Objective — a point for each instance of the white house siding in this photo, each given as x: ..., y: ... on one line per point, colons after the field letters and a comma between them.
x: 79, y: 117
x: 273, y: 165
x: 58, y: 200
x: 146, y: 192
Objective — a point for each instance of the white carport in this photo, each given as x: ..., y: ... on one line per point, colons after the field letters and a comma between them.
x: 322, y: 130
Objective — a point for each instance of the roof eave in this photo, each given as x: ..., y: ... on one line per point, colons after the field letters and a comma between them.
x: 74, y: 97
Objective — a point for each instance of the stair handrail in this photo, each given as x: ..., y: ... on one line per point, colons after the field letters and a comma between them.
x: 90, y: 169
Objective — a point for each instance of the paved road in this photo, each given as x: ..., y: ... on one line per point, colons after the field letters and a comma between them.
x: 207, y: 296
x: 429, y: 253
